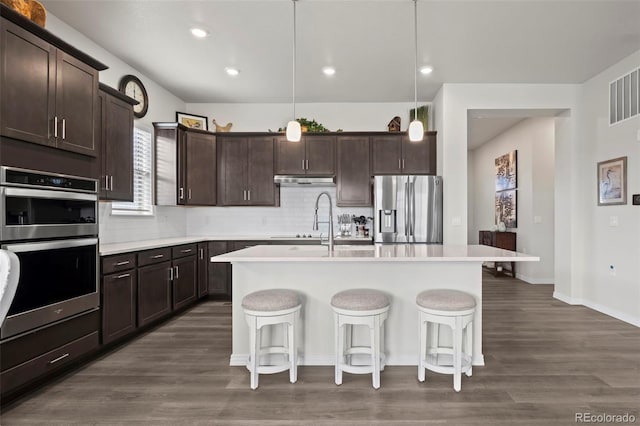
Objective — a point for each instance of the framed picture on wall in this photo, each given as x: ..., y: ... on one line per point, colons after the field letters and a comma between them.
x: 507, y: 171
x: 506, y: 208
x: 192, y: 121
x: 612, y: 182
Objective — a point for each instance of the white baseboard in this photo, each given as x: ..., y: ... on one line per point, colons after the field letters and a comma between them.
x: 329, y: 360
x: 597, y: 307
x: 531, y: 280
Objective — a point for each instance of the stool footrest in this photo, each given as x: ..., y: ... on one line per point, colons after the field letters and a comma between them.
x: 443, y: 363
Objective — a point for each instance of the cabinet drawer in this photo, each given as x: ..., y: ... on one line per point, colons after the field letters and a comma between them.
x: 150, y: 257
x: 185, y: 250
x: 119, y: 262
x: 47, y: 362
x: 16, y: 350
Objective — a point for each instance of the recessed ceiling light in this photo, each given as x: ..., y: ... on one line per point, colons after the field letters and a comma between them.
x: 232, y: 71
x: 328, y: 70
x: 199, y: 32
x: 426, y: 70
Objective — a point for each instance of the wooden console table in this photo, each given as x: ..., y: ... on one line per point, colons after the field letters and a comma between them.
x: 503, y: 240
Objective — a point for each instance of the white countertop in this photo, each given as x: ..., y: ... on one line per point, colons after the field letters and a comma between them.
x: 375, y: 253
x: 118, y: 248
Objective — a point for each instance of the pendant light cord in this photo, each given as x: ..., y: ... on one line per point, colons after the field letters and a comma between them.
x: 415, y: 63
x: 293, y: 99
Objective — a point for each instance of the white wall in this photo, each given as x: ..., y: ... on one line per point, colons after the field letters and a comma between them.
x: 334, y: 116
x: 168, y: 222
x: 534, y: 140
x: 606, y: 245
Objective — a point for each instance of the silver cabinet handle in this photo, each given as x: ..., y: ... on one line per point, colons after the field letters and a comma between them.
x: 307, y: 164
x: 111, y: 183
x: 185, y: 251
x: 244, y: 195
x: 177, y: 272
x: 119, y: 277
x: 64, y: 128
x: 181, y: 193
x: 189, y: 193
x: 60, y: 358
x: 126, y: 262
x: 157, y: 256
x: 201, y: 254
x: 403, y: 163
x: 302, y: 164
x: 55, y: 127
x: 106, y: 183
x: 399, y: 164
x: 248, y: 194
x: 170, y: 274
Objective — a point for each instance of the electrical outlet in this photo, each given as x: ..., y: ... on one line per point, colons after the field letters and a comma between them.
x: 612, y: 270
x: 456, y: 221
x: 537, y: 219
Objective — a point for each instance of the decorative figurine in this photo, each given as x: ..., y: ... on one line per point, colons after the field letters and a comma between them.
x: 394, y: 125
x: 222, y: 128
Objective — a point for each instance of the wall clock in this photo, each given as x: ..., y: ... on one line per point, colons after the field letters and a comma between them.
x: 131, y: 86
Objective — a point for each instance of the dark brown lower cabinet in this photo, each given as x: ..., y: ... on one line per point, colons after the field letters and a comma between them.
x: 203, y: 265
x: 33, y: 356
x: 219, y: 273
x: 154, y: 292
x: 185, y: 281
x: 118, y: 305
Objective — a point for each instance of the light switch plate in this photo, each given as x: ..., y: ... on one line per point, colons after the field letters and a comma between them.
x: 636, y: 199
x: 613, y: 221
x: 537, y: 219
x: 456, y: 221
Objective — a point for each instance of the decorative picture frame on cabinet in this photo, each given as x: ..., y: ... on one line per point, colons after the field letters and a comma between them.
x: 612, y: 182
x: 192, y: 121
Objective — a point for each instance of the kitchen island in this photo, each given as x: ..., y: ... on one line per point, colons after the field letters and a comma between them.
x: 400, y: 270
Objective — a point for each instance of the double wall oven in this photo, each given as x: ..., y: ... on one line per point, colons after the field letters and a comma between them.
x: 50, y: 222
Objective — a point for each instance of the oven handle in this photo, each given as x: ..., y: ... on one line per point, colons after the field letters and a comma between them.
x: 43, y: 193
x: 50, y: 245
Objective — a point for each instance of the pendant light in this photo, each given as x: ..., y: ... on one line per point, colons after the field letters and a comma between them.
x: 416, y: 129
x: 294, y: 133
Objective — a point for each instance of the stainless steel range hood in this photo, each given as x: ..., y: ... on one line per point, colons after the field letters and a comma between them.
x: 287, y: 180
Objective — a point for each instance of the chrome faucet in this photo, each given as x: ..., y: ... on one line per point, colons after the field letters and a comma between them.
x: 315, y: 218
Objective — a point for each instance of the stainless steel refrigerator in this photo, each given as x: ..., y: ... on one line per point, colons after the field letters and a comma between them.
x: 408, y: 209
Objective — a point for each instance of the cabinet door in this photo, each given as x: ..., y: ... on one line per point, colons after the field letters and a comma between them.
x: 185, y: 281
x: 27, y: 81
x: 201, y: 169
x: 219, y: 273
x: 118, y: 305
x: 321, y: 155
x: 181, y: 163
x: 419, y: 158
x: 261, y: 189
x: 117, y: 149
x: 203, y: 273
x: 76, y: 103
x: 290, y: 157
x: 386, y: 151
x: 232, y: 177
x: 354, y: 175
x: 154, y: 292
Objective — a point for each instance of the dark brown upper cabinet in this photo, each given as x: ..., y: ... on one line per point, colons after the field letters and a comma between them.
x: 313, y: 155
x: 354, y: 171
x: 245, y: 166
x: 185, y: 166
x: 49, y: 97
x: 114, y: 130
x: 396, y: 155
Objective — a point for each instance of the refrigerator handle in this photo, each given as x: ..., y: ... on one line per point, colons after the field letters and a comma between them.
x: 406, y: 209
x: 413, y: 209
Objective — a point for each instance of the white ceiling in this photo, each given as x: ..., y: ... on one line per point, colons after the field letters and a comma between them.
x: 369, y: 42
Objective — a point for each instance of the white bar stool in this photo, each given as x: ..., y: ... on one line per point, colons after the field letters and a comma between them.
x: 272, y: 307
x: 453, y: 308
x: 359, y: 307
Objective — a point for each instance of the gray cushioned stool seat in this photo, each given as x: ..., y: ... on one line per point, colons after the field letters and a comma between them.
x: 446, y: 300
x: 360, y: 299
x: 271, y: 300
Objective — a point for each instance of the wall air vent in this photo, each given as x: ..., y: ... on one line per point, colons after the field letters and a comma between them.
x: 624, y: 97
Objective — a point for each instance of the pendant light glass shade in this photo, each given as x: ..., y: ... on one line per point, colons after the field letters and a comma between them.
x: 294, y: 132
x: 416, y: 131
x: 416, y: 128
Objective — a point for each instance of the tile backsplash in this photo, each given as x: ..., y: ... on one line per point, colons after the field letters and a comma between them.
x: 294, y: 216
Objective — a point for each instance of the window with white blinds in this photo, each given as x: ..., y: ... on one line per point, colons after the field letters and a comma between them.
x: 142, y: 177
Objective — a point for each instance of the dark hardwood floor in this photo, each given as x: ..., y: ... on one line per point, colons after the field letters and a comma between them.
x: 545, y: 362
